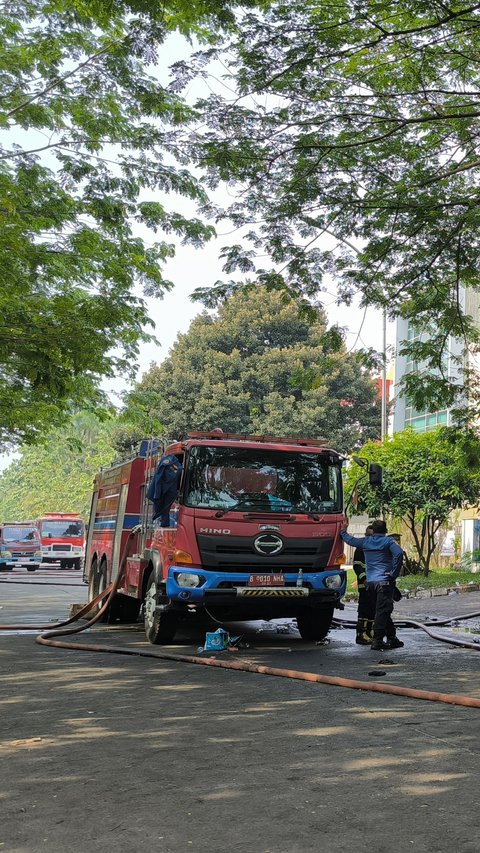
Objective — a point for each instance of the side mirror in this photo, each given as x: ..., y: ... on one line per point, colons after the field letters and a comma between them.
x: 375, y: 474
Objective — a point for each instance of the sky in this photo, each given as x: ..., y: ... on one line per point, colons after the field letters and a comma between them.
x: 192, y: 268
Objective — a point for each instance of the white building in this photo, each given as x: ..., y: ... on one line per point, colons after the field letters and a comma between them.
x: 405, y: 415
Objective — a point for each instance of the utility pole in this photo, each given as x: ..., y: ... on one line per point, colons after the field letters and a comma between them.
x: 384, y: 377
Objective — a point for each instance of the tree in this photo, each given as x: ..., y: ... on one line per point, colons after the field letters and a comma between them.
x: 354, y: 139
x: 84, y: 153
x: 58, y: 474
x: 425, y: 477
x: 261, y: 365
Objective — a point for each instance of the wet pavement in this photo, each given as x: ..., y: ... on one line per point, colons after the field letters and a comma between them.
x: 123, y: 754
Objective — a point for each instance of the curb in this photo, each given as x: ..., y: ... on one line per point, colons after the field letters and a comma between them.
x: 446, y: 590
x: 429, y: 593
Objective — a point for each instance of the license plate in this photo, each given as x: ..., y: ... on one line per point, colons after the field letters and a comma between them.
x: 266, y: 580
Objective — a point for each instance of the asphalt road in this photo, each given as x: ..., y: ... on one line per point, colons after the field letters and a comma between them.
x: 127, y: 754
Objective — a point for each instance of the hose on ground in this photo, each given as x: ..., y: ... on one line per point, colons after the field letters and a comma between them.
x: 47, y: 639
x: 412, y: 623
x: 244, y: 666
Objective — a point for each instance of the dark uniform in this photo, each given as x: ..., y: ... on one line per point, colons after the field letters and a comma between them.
x: 366, y: 601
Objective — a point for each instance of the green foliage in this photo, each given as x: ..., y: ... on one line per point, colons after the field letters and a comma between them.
x: 84, y: 153
x: 260, y: 365
x: 426, y: 476
x: 58, y: 474
x: 437, y: 579
x: 354, y: 143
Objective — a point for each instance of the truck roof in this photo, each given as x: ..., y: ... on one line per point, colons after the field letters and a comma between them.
x: 218, y: 438
x: 60, y: 515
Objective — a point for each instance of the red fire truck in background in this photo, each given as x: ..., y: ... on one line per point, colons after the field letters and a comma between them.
x: 253, y: 534
x: 63, y: 539
x: 19, y: 546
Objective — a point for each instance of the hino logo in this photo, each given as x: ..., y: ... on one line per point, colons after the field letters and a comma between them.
x: 223, y: 531
x: 268, y: 544
x: 269, y: 527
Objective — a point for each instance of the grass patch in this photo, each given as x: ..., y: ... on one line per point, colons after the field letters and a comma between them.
x: 436, y: 578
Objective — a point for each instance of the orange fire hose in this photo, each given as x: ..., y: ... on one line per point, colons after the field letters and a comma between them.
x: 46, y: 639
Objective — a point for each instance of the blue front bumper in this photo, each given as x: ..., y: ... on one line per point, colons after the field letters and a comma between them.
x: 231, y: 586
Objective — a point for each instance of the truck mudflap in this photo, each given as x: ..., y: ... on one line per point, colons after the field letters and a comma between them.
x: 198, y: 586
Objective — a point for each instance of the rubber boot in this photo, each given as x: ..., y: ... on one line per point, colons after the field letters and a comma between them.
x: 394, y: 643
x: 369, y: 629
x: 363, y: 637
x: 377, y: 643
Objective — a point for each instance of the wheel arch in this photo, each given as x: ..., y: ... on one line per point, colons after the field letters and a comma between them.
x: 146, y: 577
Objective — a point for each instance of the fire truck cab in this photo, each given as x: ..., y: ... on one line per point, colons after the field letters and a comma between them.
x: 63, y: 539
x: 19, y: 546
x: 252, y: 534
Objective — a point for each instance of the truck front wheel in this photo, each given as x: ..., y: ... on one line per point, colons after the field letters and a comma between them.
x: 314, y: 624
x: 160, y: 627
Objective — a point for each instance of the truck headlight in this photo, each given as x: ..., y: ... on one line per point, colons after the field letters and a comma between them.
x: 5, y: 555
x: 76, y: 549
x: 188, y: 579
x: 37, y: 554
x: 333, y: 581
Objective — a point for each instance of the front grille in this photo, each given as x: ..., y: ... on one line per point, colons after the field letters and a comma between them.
x: 233, y: 584
x: 61, y: 547
x: 236, y: 553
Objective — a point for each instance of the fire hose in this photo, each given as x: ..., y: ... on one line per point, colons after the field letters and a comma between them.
x: 68, y: 628
x: 440, y: 623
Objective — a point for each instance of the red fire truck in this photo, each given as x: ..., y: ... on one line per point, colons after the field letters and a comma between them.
x: 63, y: 539
x: 252, y: 534
x: 19, y: 546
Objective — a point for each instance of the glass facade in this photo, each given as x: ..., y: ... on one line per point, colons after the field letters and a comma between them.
x: 421, y: 421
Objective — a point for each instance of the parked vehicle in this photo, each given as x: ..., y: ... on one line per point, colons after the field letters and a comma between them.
x: 19, y: 546
x: 253, y: 533
x: 63, y: 539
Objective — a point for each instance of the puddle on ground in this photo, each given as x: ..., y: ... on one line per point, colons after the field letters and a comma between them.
x: 464, y: 629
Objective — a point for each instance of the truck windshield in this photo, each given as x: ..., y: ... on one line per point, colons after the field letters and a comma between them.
x: 242, y: 480
x: 20, y: 534
x: 59, y: 529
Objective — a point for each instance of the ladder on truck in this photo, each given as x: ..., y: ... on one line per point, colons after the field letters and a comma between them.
x: 151, y: 449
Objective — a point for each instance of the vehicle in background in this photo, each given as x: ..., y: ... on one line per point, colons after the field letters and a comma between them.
x: 19, y: 546
x: 253, y: 533
x: 63, y: 539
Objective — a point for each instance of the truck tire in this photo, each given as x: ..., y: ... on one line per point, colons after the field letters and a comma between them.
x: 64, y: 564
x: 314, y: 623
x: 33, y: 568
x: 77, y: 564
x: 160, y: 628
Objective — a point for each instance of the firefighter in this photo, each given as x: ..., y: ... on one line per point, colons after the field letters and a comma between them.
x: 163, y: 488
x: 366, y: 601
x: 383, y: 560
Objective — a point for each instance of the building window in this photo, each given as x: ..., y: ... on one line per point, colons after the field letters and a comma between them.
x: 421, y: 421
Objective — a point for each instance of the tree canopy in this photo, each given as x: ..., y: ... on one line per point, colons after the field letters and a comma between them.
x: 57, y: 475
x: 260, y: 365
x: 425, y: 477
x: 352, y: 136
x: 84, y: 154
